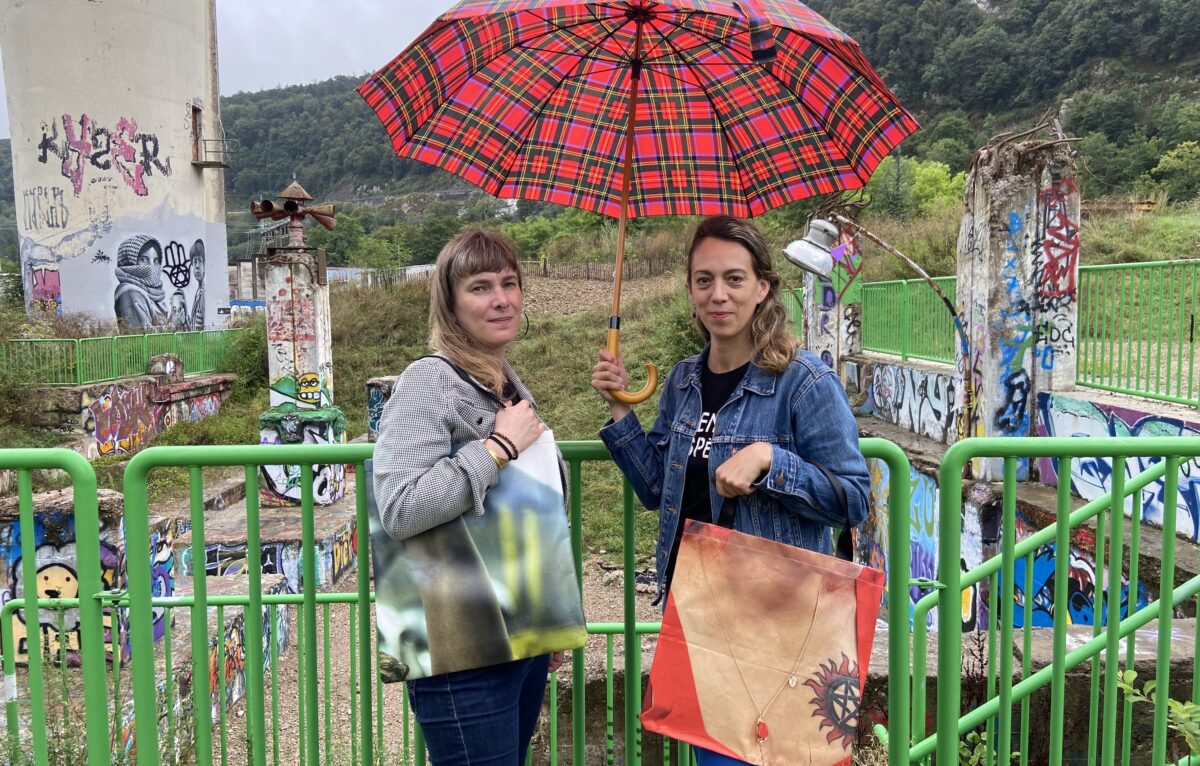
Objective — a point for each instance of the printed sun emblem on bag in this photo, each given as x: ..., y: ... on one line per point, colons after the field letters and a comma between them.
x: 837, y: 699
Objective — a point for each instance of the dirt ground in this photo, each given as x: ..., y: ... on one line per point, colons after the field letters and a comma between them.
x: 603, y: 602
x: 563, y: 297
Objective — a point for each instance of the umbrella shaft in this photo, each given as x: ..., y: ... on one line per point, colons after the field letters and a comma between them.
x: 635, y: 76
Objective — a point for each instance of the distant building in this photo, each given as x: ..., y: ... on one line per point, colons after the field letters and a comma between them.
x: 118, y: 159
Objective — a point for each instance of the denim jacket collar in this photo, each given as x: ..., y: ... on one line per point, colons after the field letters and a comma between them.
x: 757, y: 380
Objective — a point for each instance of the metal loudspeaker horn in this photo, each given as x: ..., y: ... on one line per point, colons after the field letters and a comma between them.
x: 323, y: 214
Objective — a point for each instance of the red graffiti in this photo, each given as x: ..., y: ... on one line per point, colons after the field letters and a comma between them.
x: 46, y: 295
x: 293, y: 320
x: 1060, y: 246
x: 125, y: 154
x: 78, y: 150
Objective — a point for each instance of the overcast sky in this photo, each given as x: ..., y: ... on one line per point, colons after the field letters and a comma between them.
x: 267, y: 44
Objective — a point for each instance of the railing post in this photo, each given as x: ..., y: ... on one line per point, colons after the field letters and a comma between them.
x: 905, y: 319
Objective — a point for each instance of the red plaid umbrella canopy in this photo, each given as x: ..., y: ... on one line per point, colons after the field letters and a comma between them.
x: 640, y: 107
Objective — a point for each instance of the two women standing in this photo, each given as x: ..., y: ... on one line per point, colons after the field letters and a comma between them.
x: 752, y: 434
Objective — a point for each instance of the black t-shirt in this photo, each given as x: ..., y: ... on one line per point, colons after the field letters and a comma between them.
x: 715, y: 390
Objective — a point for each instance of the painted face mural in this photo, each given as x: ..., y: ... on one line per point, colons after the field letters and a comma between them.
x: 310, y: 389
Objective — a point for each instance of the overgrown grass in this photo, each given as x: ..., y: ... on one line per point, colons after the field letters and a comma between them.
x: 1170, y: 235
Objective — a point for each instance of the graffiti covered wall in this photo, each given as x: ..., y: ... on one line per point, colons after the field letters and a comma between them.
x: 1018, y: 261
x: 923, y: 401
x: 1063, y: 415
x: 834, y: 310
x: 282, y: 483
x: 58, y: 577
x: 118, y: 216
x: 123, y: 418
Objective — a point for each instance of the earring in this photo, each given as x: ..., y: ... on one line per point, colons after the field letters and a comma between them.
x: 524, y: 334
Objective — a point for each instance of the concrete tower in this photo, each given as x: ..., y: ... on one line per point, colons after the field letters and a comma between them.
x: 118, y: 159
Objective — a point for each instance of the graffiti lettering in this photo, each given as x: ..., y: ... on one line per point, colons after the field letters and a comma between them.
x: 134, y: 155
x: 45, y: 208
x: 1055, y: 266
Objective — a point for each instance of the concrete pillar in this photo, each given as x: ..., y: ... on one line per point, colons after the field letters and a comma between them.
x: 119, y: 215
x: 300, y: 366
x: 833, y: 309
x: 1018, y: 265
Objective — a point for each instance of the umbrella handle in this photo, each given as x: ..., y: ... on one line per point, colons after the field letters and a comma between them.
x: 635, y: 397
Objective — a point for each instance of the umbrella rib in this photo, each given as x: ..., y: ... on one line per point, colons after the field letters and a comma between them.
x: 542, y: 107
x: 716, y: 114
x: 568, y: 29
x: 803, y: 105
x: 834, y: 139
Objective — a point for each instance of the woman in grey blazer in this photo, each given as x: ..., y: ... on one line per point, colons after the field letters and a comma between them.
x: 453, y: 421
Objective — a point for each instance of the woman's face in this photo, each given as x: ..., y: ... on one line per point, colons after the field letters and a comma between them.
x: 724, y: 290
x: 488, y: 307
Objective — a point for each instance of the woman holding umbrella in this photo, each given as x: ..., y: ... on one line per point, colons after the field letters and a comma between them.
x: 752, y: 433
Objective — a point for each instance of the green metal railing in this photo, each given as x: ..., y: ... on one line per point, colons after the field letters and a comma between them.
x: 1111, y: 637
x: 1005, y: 712
x: 1138, y: 330
x: 77, y: 362
x: 907, y: 318
x: 148, y: 684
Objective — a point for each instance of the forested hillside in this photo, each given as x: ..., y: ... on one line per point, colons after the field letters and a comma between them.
x: 1127, y: 76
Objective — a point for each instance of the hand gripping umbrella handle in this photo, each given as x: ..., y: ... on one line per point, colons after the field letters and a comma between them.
x: 636, y: 397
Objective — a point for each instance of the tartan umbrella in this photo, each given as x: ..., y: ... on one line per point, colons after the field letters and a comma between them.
x: 640, y: 107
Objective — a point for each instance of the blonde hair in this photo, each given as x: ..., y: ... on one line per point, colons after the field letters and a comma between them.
x: 770, y: 327
x: 472, y: 252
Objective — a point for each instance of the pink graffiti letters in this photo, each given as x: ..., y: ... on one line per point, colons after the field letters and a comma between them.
x: 134, y: 154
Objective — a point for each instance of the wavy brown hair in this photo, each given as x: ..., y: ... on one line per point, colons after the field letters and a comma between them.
x: 770, y: 327
x: 472, y: 252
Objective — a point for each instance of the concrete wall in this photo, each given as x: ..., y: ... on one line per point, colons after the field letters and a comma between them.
x: 108, y: 102
x: 1092, y: 413
x: 123, y: 416
x: 54, y: 538
x: 921, y: 397
x: 981, y: 514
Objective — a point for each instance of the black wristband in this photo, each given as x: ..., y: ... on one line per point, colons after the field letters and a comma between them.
x: 505, y: 444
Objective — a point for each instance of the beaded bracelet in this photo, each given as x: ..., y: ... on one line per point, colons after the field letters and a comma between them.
x: 506, y: 444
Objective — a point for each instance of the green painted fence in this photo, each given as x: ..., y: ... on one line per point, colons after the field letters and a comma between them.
x: 1138, y: 330
x: 1005, y: 714
x: 350, y: 710
x: 77, y: 362
x: 907, y: 318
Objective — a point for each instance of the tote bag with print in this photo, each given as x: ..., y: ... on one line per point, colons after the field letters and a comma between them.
x: 764, y: 649
x: 480, y: 590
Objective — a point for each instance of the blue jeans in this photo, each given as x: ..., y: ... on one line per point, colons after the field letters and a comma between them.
x: 480, y: 717
x: 709, y: 758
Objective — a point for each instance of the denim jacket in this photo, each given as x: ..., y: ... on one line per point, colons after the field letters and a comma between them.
x: 802, y: 413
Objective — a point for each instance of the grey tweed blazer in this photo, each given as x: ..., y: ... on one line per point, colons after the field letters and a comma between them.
x: 430, y: 464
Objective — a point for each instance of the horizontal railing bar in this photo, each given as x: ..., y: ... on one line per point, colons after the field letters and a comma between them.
x: 1041, y: 678
x: 1046, y: 534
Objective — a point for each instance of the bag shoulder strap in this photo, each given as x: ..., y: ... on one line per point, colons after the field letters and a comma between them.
x: 491, y: 395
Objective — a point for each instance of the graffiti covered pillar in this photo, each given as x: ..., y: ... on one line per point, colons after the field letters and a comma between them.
x: 833, y: 314
x: 299, y: 355
x: 1018, y: 263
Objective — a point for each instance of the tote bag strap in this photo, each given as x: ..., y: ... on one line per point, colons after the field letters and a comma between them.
x: 842, y: 546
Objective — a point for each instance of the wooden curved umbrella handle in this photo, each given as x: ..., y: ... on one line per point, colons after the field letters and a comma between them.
x: 634, y: 397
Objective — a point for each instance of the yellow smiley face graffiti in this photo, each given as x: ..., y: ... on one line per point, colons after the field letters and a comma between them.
x: 309, y: 388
